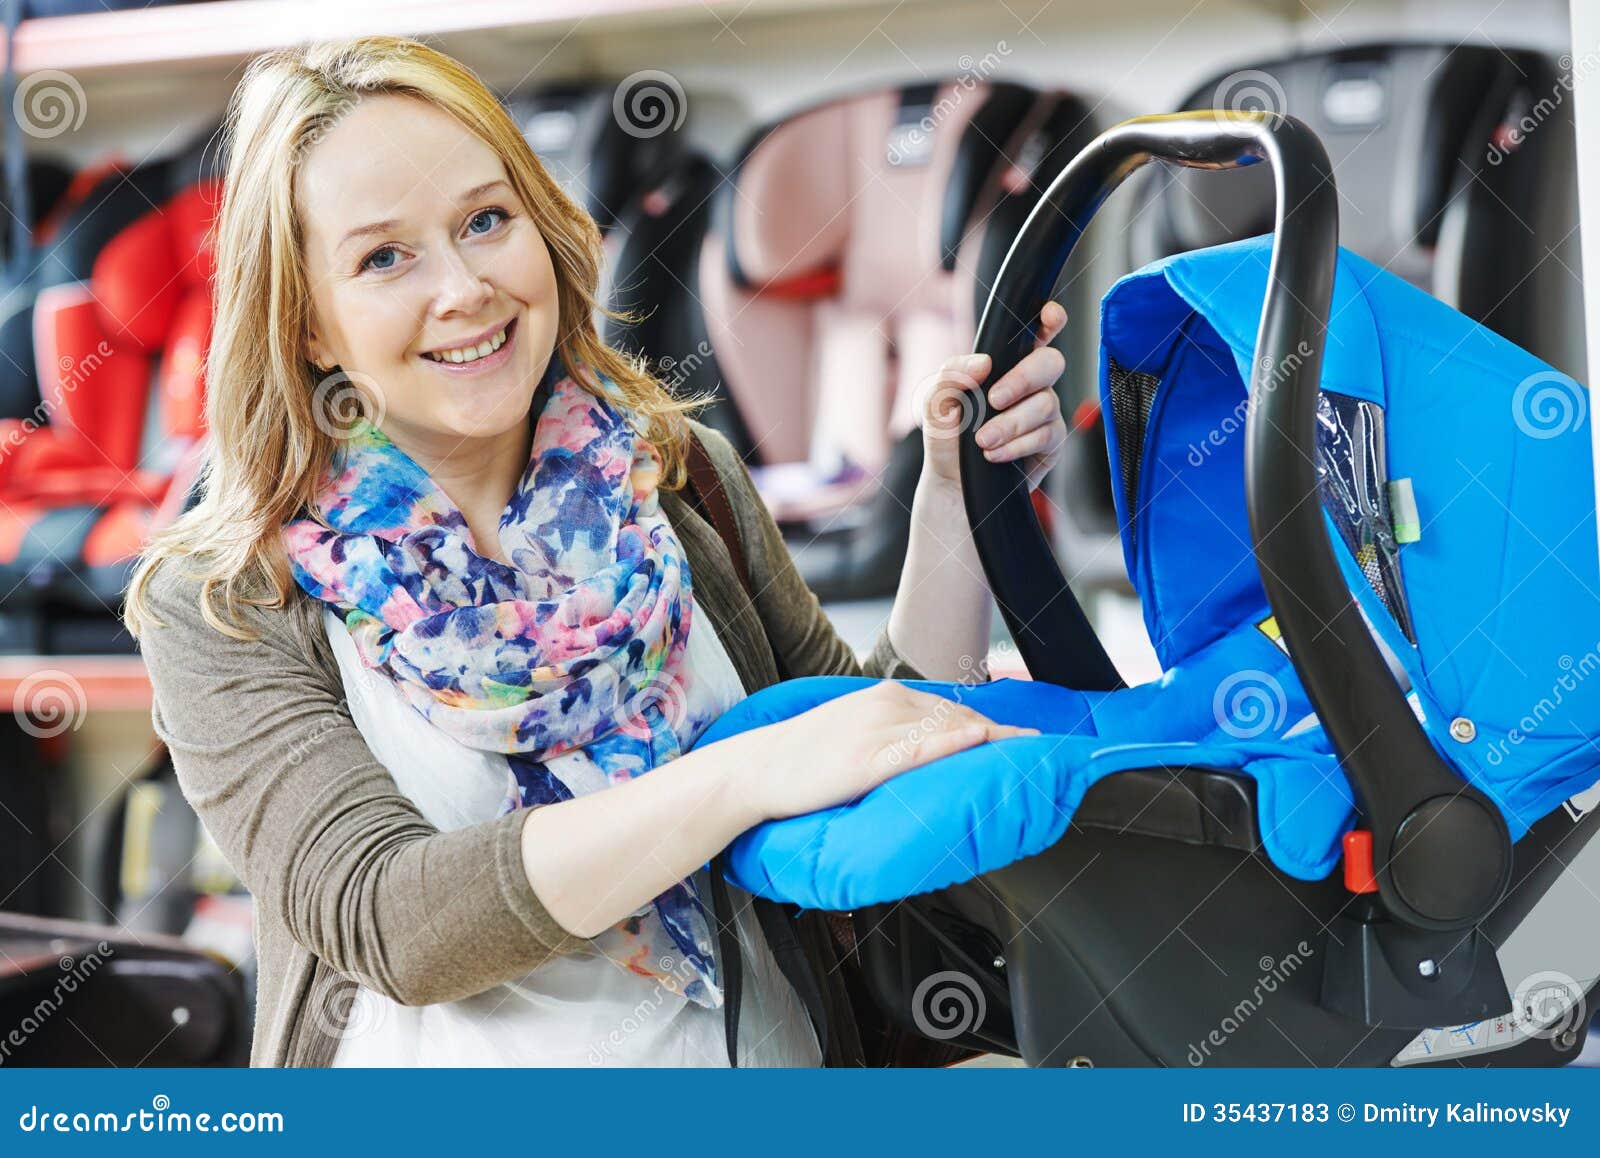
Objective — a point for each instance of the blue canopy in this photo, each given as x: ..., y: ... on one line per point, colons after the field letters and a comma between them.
x: 1458, y: 483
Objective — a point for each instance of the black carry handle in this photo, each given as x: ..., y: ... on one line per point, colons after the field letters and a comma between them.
x: 1442, y: 850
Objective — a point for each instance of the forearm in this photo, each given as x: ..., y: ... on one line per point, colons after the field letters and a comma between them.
x: 596, y: 859
x: 940, y: 619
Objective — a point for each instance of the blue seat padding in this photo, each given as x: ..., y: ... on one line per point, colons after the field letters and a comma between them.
x: 1502, y: 591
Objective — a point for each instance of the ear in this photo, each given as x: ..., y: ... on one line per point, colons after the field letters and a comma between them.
x: 317, y: 355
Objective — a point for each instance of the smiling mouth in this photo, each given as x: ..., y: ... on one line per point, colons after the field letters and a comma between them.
x: 463, y: 355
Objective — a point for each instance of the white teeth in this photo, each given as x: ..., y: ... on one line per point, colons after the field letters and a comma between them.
x: 471, y: 353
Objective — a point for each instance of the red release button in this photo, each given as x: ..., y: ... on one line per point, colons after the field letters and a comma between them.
x: 1358, y: 874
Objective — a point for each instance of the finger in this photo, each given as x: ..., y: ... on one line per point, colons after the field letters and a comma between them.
x: 1052, y: 319
x: 1039, y: 441
x: 940, y: 400
x: 1035, y: 412
x: 966, y: 370
x: 938, y: 745
x: 923, y: 713
x: 1040, y: 370
x: 1037, y: 466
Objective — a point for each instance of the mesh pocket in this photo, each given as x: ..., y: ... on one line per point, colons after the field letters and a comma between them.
x: 1133, y: 393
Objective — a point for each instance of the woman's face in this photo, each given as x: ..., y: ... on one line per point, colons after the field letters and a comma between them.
x: 429, y: 282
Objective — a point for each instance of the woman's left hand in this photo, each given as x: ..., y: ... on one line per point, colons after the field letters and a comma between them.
x: 1021, y: 419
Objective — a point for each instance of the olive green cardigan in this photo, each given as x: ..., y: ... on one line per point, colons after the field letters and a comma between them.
x: 349, y: 881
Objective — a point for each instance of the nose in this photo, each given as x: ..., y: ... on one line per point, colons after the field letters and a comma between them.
x: 462, y: 289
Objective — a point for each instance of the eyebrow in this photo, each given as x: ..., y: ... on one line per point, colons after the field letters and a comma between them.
x: 385, y: 226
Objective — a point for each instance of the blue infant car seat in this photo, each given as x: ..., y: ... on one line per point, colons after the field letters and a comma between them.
x: 1406, y: 671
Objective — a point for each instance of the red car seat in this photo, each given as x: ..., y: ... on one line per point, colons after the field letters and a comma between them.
x: 121, y: 323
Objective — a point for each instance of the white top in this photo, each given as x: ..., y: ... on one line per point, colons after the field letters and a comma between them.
x: 580, y: 1009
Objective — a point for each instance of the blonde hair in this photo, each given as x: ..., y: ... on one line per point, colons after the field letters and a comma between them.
x: 268, y: 450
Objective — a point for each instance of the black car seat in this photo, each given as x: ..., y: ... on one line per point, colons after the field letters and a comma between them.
x: 151, y: 1000
x: 1455, y: 171
x: 602, y: 143
x: 814, y: 288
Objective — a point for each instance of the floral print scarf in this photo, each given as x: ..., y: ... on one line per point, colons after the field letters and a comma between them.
x: 576, y: 646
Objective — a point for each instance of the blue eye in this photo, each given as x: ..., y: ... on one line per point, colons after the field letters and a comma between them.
x: 497, y: 214
x: 371, y: 260
x: 480, y: 223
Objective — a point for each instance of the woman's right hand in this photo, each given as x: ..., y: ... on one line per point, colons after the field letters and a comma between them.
x: 840, y: 750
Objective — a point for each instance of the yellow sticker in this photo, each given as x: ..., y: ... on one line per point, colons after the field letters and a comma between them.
x: 1269, y: 628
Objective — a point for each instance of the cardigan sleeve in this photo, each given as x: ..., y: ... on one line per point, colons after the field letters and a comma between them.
x: 318, y: 831
x: 802, y: 636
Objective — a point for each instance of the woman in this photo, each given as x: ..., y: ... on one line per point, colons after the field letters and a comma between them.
x: 397, y: 650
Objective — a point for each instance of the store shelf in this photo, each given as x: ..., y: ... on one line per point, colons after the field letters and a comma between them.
x: 112, y: 683
x: 230, y: 30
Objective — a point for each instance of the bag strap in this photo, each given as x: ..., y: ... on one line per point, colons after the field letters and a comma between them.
x: 730, y: 958
x: 713, y: 501
x: 707, y: 485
